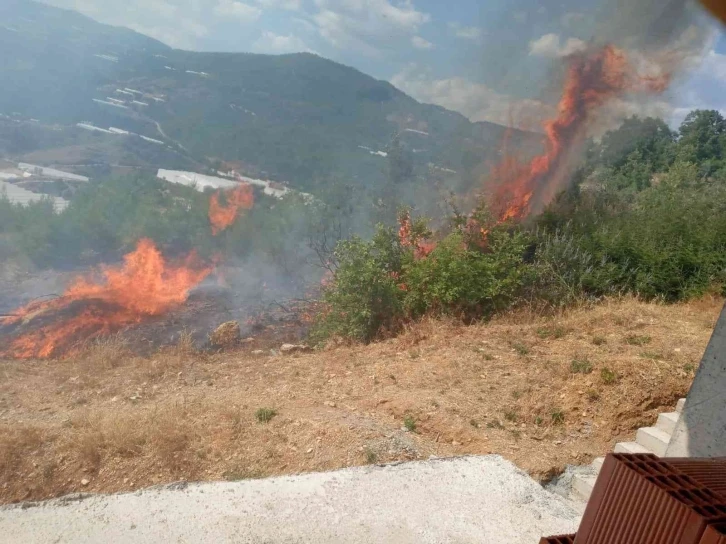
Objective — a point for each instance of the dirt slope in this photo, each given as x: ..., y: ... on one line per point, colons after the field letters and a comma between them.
x: 542, y: 392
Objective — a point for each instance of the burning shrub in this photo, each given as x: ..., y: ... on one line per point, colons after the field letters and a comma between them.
x: 382, y: 283
x: 467, y: 281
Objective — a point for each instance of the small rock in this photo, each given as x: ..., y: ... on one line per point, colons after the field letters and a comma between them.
x: 330, y: 403
x: 288, y: 349
x: 310, y: 450
x: 455, y: 443
x: 258, y: 352
x: 226, y: 335
x: 85, y: 481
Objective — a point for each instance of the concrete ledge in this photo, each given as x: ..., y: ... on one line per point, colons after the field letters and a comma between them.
x: 462, y: 500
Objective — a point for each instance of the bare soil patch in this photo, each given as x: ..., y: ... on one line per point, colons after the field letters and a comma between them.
x: 543, y: 392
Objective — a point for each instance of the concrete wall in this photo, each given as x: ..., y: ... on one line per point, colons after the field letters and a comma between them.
x: 701, y: 429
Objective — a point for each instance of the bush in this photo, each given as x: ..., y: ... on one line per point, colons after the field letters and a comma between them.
x: 668, y: 242
x: 265, y: 415
x: 674, y: 240
x: 580, y: 366
x: 365, y: 297
x: 382, y: 283
x: 467, y: 282
x: 565, y: 271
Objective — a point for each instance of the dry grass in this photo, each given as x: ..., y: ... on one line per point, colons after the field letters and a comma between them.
x: 106, y: 352
x: 508, y: 387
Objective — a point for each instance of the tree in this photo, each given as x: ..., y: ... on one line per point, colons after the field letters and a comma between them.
x: 703, y: 132
x: 649, y: 140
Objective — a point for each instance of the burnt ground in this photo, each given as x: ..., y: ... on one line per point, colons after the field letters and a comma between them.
x: 267, y: 315
x: 544, y: 392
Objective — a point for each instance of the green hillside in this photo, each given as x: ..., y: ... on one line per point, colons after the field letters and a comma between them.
x: 299, y: 117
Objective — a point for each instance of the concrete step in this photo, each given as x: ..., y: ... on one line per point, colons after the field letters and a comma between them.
x: 680, y: 405
x: 582, y: 485
x: 630, y: 447
x: 654, y: 439
x: 667, y: 422
x: 597, y: 463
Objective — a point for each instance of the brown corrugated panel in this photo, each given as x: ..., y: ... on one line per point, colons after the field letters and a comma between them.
x: 640, y: 499
x: 562, y: 539
x: 709, y: 472
x: 714, y: 534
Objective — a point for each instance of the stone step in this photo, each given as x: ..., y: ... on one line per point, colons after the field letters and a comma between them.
x: 582, y: 485
x: 654, y: 439
x: 597, y: 463
x: 667, y: 422
x: 630, y: 447
x: 680, y: 405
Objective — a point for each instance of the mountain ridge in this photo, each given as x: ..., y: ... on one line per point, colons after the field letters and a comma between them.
x: 297, y: 117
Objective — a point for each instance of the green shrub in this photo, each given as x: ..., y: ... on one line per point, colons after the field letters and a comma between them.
x: 265, y: 415
x: 467, y: 282
x: 410, y: 423
x: 608, y: 376
x: 520, y: 348
x: 558, y: 417
x: 580, y: 366
x: 637, y: 340
x: 566, y: 270
x: 366, y: 294
x: 381, y: 283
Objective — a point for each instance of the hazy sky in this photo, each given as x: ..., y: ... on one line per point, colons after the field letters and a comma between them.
x: 482, y: 58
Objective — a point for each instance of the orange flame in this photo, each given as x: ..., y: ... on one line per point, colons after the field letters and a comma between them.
x: 145, y: 285
x: 421, y: 247
x: 593, y: 79
x: 223, y: 216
